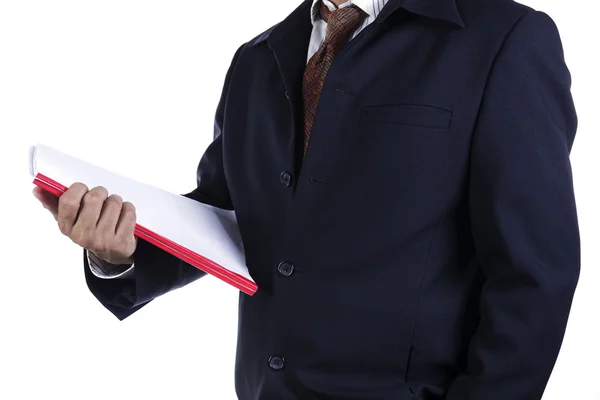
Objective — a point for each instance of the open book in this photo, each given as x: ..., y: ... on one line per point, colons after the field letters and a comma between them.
x: 204, y: 236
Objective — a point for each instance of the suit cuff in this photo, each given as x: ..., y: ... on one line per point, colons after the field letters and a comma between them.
x: 103, y: 270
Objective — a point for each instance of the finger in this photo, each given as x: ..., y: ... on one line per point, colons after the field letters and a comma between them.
x: 68, y: 207
x: 109, y: 216
x: 126, y: 223
x: 48, y: 200
x: 91, y: 207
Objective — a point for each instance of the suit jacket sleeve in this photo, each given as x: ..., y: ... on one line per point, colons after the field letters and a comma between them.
x: 156, y: 272
x: 523, y: 217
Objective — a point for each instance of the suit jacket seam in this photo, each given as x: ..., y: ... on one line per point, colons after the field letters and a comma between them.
x: 416, y: 314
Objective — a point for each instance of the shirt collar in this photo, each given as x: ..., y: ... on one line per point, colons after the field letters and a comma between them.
x: 371, y: 7
x: 440, y: 9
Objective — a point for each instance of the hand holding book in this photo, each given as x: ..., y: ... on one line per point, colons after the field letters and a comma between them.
x: 203, y: 236
x: 94, y: 220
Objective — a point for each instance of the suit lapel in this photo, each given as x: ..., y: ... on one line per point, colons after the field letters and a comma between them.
x: 289, y: 42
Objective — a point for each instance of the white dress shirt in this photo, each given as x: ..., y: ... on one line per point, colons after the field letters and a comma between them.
x: 371, y: 7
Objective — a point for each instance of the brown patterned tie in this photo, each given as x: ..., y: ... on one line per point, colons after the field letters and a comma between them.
x: 341, y: 23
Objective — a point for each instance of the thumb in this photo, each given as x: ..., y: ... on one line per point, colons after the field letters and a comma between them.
x: 48, y: 200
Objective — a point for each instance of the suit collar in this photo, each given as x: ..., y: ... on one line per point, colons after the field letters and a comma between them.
x: 446, y: 10
x: 297, y: 22
x: 300, y: 18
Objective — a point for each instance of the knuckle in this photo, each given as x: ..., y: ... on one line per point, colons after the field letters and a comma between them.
x: 114, y: 203
x: 71, y: 199
x: 78, y: 187
x: 67, y: 202
x: 128, y: 208
x: 116, y: 199
x: 101, y: 190
x: 95, y: 196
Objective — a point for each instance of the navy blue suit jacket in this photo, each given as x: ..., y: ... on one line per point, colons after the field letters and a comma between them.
x: 430, y: 234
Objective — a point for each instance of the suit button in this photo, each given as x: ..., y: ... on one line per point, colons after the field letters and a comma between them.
x: 285, y: 178
x: 285, y: 268
x: 276, y: 363
x: 287, y: 94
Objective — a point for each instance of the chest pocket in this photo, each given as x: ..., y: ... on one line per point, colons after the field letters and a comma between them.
x: 408, y: 115
x: 404, y: 151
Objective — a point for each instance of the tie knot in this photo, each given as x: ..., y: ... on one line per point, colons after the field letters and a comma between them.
x: 346, y: 18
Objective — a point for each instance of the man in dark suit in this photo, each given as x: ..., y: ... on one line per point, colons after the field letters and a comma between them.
x: 400, y: 173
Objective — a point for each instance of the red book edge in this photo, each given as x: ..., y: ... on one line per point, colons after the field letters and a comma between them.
x: 192, y: 258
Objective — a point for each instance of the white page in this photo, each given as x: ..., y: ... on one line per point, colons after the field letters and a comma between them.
x: 208, y: 231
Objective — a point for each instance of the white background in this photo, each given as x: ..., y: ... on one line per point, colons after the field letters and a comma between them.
x: 133, y: 85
